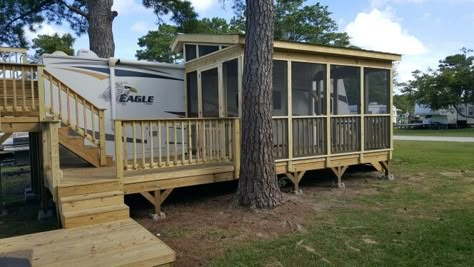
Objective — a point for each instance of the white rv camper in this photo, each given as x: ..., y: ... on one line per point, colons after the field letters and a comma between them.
x: 448, y: 116
x: 126, y: 89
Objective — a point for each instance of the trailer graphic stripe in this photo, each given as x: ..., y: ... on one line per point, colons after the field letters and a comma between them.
x: 129, y: 73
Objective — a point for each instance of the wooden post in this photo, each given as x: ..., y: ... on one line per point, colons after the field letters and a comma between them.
x: 290, y: 118
x: 119, y: 151
x: 328, y: 115
x: 362, y: 116
x: 236, y: 147
x: 41, y: 103
x: 102, y: 141
x: 51, y: 166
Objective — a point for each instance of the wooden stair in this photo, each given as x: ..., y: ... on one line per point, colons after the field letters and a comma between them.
x: 91, y: 203
x: 76, y: 144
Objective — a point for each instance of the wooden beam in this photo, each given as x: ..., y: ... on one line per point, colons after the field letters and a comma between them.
x: 20, y: 127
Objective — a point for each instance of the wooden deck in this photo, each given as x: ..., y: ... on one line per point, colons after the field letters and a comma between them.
x: 121, y: 243
x: 151, y: 179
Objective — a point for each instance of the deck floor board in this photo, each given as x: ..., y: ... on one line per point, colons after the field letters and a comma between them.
x: 119, y: 243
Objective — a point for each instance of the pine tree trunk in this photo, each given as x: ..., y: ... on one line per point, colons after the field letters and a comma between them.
x: 258, y: 185
x: 100, y: 18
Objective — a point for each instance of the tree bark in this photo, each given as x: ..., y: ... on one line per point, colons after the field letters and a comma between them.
x: 258, y: 185
x: 100, y: 17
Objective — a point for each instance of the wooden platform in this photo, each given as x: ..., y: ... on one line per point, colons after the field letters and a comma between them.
x: 121, y: 243
x: 149, y: 180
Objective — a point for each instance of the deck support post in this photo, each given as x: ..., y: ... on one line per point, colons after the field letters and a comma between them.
x: 386, y: 169
x: 295, y: 178
x: 339, y: 172
x: 157, y: 198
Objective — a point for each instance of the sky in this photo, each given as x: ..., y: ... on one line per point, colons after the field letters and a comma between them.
x: 423, y: 31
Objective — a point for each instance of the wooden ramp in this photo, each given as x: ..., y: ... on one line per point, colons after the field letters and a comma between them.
x: 121, y: 243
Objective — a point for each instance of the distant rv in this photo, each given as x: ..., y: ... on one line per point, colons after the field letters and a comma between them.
x: 448, y: 117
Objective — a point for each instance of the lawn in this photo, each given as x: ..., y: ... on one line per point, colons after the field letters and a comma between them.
x: 465, y: 132
x: 423, y: 218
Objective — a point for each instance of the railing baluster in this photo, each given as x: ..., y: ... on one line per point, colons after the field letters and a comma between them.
x: 68, y: 107
x: 84, y: 117
x: 76, y: 102
x: 134, y: 142
x: 190, y: 145
x: 142, y: 131
x: 160, y: 141
x: 182, y: 143
x: 93, y: 123
x: 175, y: 145
x: 5, y: 93
x: 23, y: 80
x: 60, y: 100
x: 125, y: 144
x: 15, y: 108
x: 51, y: 108
x: 33, y: 103
x: 167, y: 143
x: 150, y: 125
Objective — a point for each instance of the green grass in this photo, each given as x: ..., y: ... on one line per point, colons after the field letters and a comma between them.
x: 423, y: 218
x: 466, y: 132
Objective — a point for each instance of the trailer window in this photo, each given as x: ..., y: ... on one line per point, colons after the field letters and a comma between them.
x: 207, y: 49
x: 280, y: 88
x: 231, y: 87
x: 345, y: 90
x: 308, y: 88
x: 190, y: 51
x: 377, y: 91
x: 210, y: 93
x: 192, y: 94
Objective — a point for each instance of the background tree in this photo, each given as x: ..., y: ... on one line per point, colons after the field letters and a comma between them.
x: 296, y: 21
x: 156, y: 44
x: 94, y: 17
x: 258, y: 185
x: 404, y: 102
x: 450, y: 85
x: 47, y: 44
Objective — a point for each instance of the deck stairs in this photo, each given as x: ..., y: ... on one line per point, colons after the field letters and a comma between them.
x: 91, y: 203
x: 77, y: 145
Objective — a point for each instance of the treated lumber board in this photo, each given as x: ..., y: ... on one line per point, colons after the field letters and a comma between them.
x: 177, y: 172
x: 80, y: 218
x: 90, y: 201
x: 108, y: 244
x: 138, y: 187
x: 88, y: 188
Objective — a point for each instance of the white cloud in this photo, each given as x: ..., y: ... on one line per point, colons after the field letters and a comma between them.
x: 141, y: 27
x: 204, y: 5
x: 124, y: 7
x: 42, y: 29
x: 378, y: 30
x: 383, y: 3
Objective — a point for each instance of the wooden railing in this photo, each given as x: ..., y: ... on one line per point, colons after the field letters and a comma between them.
x: 377, y: 132
x: 19, y: 88
x: 13, y: 55
x: 280, y: 137
x: 309, y: 136
x: 75, y: 111
x: 151, y: 144
x: 345, y: 134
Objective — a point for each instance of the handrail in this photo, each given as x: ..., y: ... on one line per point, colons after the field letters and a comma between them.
x: 13, y: 55
x: 161, y: 143
x: 75, y: 111
x: 18, y: 87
